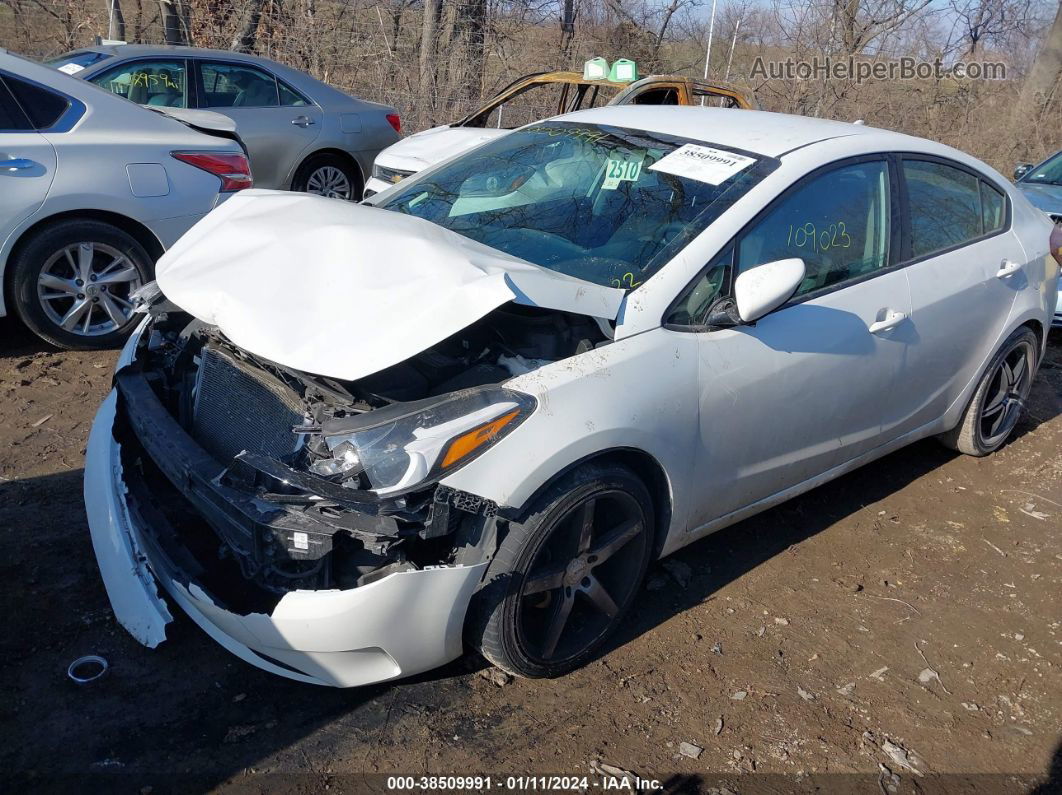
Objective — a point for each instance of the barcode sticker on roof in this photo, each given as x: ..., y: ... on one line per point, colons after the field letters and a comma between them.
x: 702, y: 163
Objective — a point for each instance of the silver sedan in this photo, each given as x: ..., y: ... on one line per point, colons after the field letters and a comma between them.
x: 301, y: 134
x: 92, y: 191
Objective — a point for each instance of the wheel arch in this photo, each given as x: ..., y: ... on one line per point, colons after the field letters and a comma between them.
x: 330, y: 150
x: 643, y: 464
x: 138, y: 231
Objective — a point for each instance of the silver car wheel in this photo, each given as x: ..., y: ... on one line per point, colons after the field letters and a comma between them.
x: 84, y: 288
x: 329, y: 181
x: 1007, y: 392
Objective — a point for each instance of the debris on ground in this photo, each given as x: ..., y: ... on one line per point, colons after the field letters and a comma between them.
x: 680, y: 572
x: 903, y: 757
x: 496, y: 676
x: 804, y: 694
x: 739, y: 695
x: 718, y: 725
x: 690, y: 750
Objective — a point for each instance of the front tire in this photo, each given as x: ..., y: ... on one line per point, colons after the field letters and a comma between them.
x: 999, y: 399
x: 564, y: 578
x: 72, y: 281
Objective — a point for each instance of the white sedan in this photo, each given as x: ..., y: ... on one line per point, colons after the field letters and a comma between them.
x: 347, y: 439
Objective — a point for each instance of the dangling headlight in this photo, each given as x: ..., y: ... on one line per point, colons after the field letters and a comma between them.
x: 400, y: 446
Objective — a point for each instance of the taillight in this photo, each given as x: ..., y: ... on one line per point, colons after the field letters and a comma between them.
x: 232, y: 169
x: 395, y: 121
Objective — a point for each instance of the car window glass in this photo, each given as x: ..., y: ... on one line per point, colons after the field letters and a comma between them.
x: 11, y: 116
x: 74, y: 62
x: 542, y: 100
x: 596, y: 202
x: 838, y: 223
x: 232, y: 86
x: 290, y: 97
x: 712, y: 100
x: 692, y: 308
x: 945, y: 206
x: 157, y: 83
x: 43, y: 107
x: 667, y: 95
x: 992, y: 208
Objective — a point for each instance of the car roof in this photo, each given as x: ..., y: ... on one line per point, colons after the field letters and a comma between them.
x: 771, y: 134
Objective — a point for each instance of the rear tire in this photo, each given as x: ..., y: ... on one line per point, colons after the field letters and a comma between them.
x: 329, y: 175
x: 576, y: 562
x: 71, y: 282
x: 997, y: 403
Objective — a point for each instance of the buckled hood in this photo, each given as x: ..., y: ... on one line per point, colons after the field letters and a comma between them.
x: 346, y: 290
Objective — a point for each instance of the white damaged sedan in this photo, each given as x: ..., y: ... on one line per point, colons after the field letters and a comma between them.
x: 349, y: 439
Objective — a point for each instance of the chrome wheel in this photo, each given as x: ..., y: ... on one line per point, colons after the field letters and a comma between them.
x: 329, y: 181
x: 84, y: 288
x: 1008, y: 389
x: 582, y: 577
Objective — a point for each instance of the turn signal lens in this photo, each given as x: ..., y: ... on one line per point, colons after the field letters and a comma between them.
x: 469, y: 442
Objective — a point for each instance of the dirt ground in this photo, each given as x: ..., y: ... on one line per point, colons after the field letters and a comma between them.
x: 906, y: 615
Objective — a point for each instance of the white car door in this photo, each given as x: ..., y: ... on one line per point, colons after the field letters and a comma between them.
x: 967, y: 267
x: 27, y: 159
x: 816, y: 383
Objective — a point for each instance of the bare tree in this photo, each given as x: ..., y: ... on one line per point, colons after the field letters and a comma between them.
x: 1041, y: 85
x: 115, y: 20
x: 244, y: 39
x: 174, y: 25
x: 989, y: 21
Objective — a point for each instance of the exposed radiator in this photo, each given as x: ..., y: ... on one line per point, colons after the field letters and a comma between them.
x: 239, y: 407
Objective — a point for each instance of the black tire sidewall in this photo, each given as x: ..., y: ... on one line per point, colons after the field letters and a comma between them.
x: 314, y: 162
x: 976, y: 405
x: 37, y: 249
x: 497, y: 605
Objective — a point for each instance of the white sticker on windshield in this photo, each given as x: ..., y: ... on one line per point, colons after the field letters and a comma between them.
x: 702, y: 163
x: 71, y: 68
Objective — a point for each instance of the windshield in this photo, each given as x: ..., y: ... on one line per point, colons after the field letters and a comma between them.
x: 1047, y: 173
x: 74, y: 62
x: 604, y: 204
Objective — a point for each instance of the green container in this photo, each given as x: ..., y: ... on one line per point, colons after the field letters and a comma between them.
x: 624, y: 70
x: 595, y: 69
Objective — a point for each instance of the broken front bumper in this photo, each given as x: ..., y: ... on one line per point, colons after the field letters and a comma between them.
x: 402, y: 624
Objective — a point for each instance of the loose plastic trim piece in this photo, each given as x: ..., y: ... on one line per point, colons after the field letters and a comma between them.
x: 82, y: 662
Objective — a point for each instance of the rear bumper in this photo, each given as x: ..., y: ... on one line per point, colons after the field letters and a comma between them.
x: 402, y: 624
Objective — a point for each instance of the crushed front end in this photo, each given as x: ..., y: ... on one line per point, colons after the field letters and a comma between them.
x: 301, y: 532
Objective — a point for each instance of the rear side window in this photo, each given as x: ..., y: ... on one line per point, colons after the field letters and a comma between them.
x: 290, y: 97
x: 837, y: 222
x: 237, y: 86
x: 43, y: 107
x: 993, y: 206
x: 949, y: 207
x: 12, y: 119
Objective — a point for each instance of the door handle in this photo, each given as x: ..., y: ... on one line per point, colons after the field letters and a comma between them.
x: 16, y: 164
x: 302, y: 121
x: 1007, y: 268
x: 892, y: 320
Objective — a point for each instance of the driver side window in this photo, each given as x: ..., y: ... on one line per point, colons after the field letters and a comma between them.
x: 838, y: 223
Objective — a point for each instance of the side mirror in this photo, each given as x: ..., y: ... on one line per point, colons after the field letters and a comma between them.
x: 766, y: 287
x: 1022, y: 169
